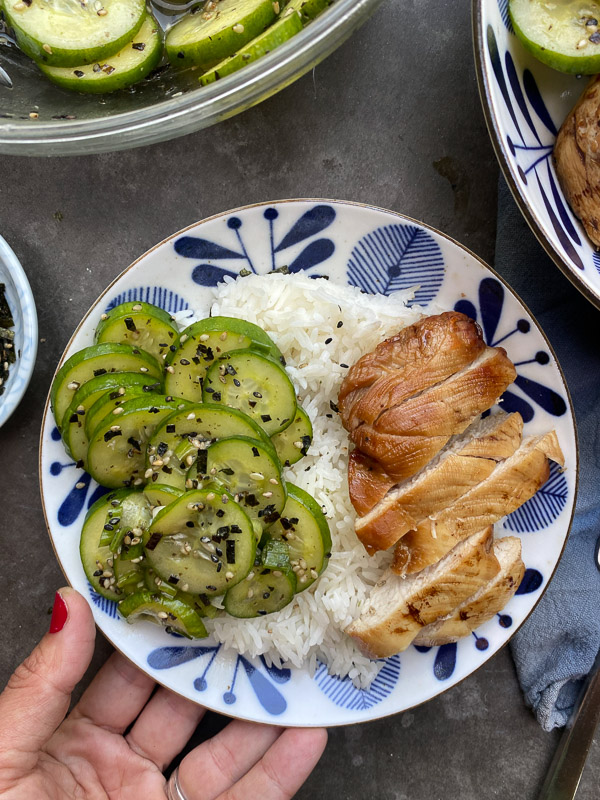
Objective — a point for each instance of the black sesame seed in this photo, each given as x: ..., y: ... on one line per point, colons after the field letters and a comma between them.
x: 129, y: 324
x: 340, y: 323
x: 220, y: 513
x: 139, y: 45
x: 189, y: 523
x: 255, y: 452
x: 257, y: 394
x: 328, y: 341
x: 216, y: 396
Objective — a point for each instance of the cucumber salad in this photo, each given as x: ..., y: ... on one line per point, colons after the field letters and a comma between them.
x: 190, y: 432
x: 103, y: 45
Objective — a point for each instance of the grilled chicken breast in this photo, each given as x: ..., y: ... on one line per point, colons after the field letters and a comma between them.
x: 511, y: 484
x: 404, y: 438
x: 577, y: 159
x: 417, y: 357
x: 399, y: 608
x: 485, y: 603
x: 468, y: 460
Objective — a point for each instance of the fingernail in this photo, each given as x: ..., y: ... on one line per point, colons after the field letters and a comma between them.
x: 60, y: 612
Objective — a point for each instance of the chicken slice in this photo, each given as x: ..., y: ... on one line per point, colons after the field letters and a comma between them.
x: 399, y: 608
x: 577, y: 159
x: 467, y: 461
x: 417, y: 357
x: 485, y: 603
x: 511, y: 484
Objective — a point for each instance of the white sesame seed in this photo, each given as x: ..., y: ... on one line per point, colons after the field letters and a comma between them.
x: 149, y: 472
x: 103, y: 316
x: 73, y: 385
x: 191, y: 416
x: 47, y: 48
x: 143, y: 369
x: 80, y: 485
x: 223, y: 336
x: 314, y: 574
x: 117, y: 410
x: 185, y: 587
x: 205, y: 337
x: 239, y: 28
x: 228, y: 576
x: 257, y: 476
x: 250, y: 594
x: 170, y: 369
x: 137, y: 307
x: 298, y: 445
x: 277, y: 573
x: 163, y: 615
x: 184, y: 338
x: 138, y: 482
x: 121, y: 390
x: 274, y: 481
x: 267, y: 494
x: 210, y: 496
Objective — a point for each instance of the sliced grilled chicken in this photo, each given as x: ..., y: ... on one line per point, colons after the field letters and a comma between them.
x: 419, y: 356
x: 399, y: 608
x: 449, y: 407
x: 485, y: 603
x: 511, y: 484
x: 368, y: 482
x: 407, y: 436
x: 468, y: 460
x: 577, y: 158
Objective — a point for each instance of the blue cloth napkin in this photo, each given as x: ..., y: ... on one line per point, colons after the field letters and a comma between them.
x: 556, y: 647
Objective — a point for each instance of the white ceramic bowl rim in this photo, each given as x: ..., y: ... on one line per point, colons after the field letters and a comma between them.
x: 22, y: 370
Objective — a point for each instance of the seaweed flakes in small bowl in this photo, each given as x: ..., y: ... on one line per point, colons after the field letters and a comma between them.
x: 18, y: 332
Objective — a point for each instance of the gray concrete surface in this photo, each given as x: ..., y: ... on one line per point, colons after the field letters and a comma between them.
x: 392, y: 118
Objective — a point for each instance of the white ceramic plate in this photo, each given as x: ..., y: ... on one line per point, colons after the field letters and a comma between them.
x: 22, y: 305
x: 525, y: 104
x: 378, y: 251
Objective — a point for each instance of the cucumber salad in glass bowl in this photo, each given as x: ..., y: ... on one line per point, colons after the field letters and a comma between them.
x: 190, y: 432
x: 100, y: 46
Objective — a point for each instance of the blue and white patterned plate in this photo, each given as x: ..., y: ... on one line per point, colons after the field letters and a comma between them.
x: 379, y: 251
x: 525, y: 104
x: 22, y: 305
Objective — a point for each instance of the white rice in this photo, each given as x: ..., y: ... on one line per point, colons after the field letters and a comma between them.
x: 300, y: 314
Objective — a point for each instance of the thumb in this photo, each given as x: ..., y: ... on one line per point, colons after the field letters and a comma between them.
x: 37, y: 695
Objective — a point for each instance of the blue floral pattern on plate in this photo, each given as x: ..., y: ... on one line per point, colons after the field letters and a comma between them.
x: 528, y: 102
x: 377, y: 251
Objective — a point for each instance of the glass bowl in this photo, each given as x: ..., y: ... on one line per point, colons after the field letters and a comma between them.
x: 38, y: 118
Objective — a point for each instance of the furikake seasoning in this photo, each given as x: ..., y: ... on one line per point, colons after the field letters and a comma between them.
x: 7, y: 339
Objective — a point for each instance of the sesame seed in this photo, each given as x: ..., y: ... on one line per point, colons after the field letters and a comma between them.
x: 274, y: 481
x: 117, y: 410
x: 276, y: 7
x: 314, y: 574
x: 115, y: 428
x: 73, y: 385
x: 228, y: 576
x: 103, y: 316
x: 303, y: 579
x: 148, y: 473
x: 163, y: 615
x: 191, y: 416
x: 184, y: 338
x: 80, y: 485
x: 250, y: 594
x: 277, y: 573
x: 170, y: 369
x: 298, y: 445
x: 185, y: 587
x: 267, y: 494
x: 210, y: 496
x: 236, y: 28
x: 136, y: 307
x: 138, y: 482
x: 257, y: 476
x: 239, y: 28
x: 47, y: 48
x: 205, y: 337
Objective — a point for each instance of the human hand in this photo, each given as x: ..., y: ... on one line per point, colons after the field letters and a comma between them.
x: 86, y: 755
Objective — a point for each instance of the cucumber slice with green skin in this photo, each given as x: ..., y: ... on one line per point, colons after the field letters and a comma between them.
x: 110, y: 401
x: 97, y: 559
x: 187, y: 432
x: 99, y: 359
x: 268, y: 590
x: 251, y: 472
x: 306, y: 9
x: 155, y: 584
x: 122, y: 69
x: 173, y: 614
x: 565, y: 35
x: 159, y: 494
x: 125, y: 522
x: 275, y: 554
x: 255, y: 385
x: 129, y: 575
x: 117, y: 451
x: 139, y: 324
x: 204, y: 38
x: 65, y: 33
x: 273, y: 37
x: 292, y: 444
x: 303, y: 527
x: 205, y: 539
x: 202, y: 342
x: 75, y: 431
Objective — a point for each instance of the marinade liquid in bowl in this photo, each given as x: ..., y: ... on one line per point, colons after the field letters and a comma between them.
x: 39, y: 118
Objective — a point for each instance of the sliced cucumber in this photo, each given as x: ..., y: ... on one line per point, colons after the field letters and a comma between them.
x: 117, y: 451
x: 254, y: 384
x: 129, y: 575
x: 305, y: 530
x: 74, y: 423
x: 175, y: 445
x: 204, y: 539
x: 65, y: 33
x: 273, y: 37
x: 203, y: 38
x: 155, y: 584
x: 109, y: 402
x: 173, y: 614
x: 126, y: 67
x: 250, y: 470
x: 267, y: 591
x: 204, y: 341
x: 159, y: 494
x: 97, y: 559
x: 139, y: 324
x: 93, y: 361
x: 306, y: 9
x: 293, y: 442
x: 564, y: 35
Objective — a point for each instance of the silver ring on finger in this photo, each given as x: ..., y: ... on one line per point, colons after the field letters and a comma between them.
x: 174, y: 790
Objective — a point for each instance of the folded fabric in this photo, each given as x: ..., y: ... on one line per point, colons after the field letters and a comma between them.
x: 557, y: 646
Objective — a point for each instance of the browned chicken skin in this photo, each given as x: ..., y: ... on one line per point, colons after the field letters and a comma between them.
x: 577, y: 159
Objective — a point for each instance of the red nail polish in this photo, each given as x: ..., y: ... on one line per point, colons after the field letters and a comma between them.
x: 60, y: 612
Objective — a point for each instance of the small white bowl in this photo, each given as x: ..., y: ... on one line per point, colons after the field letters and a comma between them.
x: 22, y: 305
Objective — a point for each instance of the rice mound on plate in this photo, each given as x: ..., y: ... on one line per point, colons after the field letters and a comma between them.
x: 301, y: 314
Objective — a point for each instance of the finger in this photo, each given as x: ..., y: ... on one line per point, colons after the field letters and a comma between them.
x: 284, y: 768
x: 116, y: 695
x: 37, y: 695
x: 221, y: 761
x: 164, y: 727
